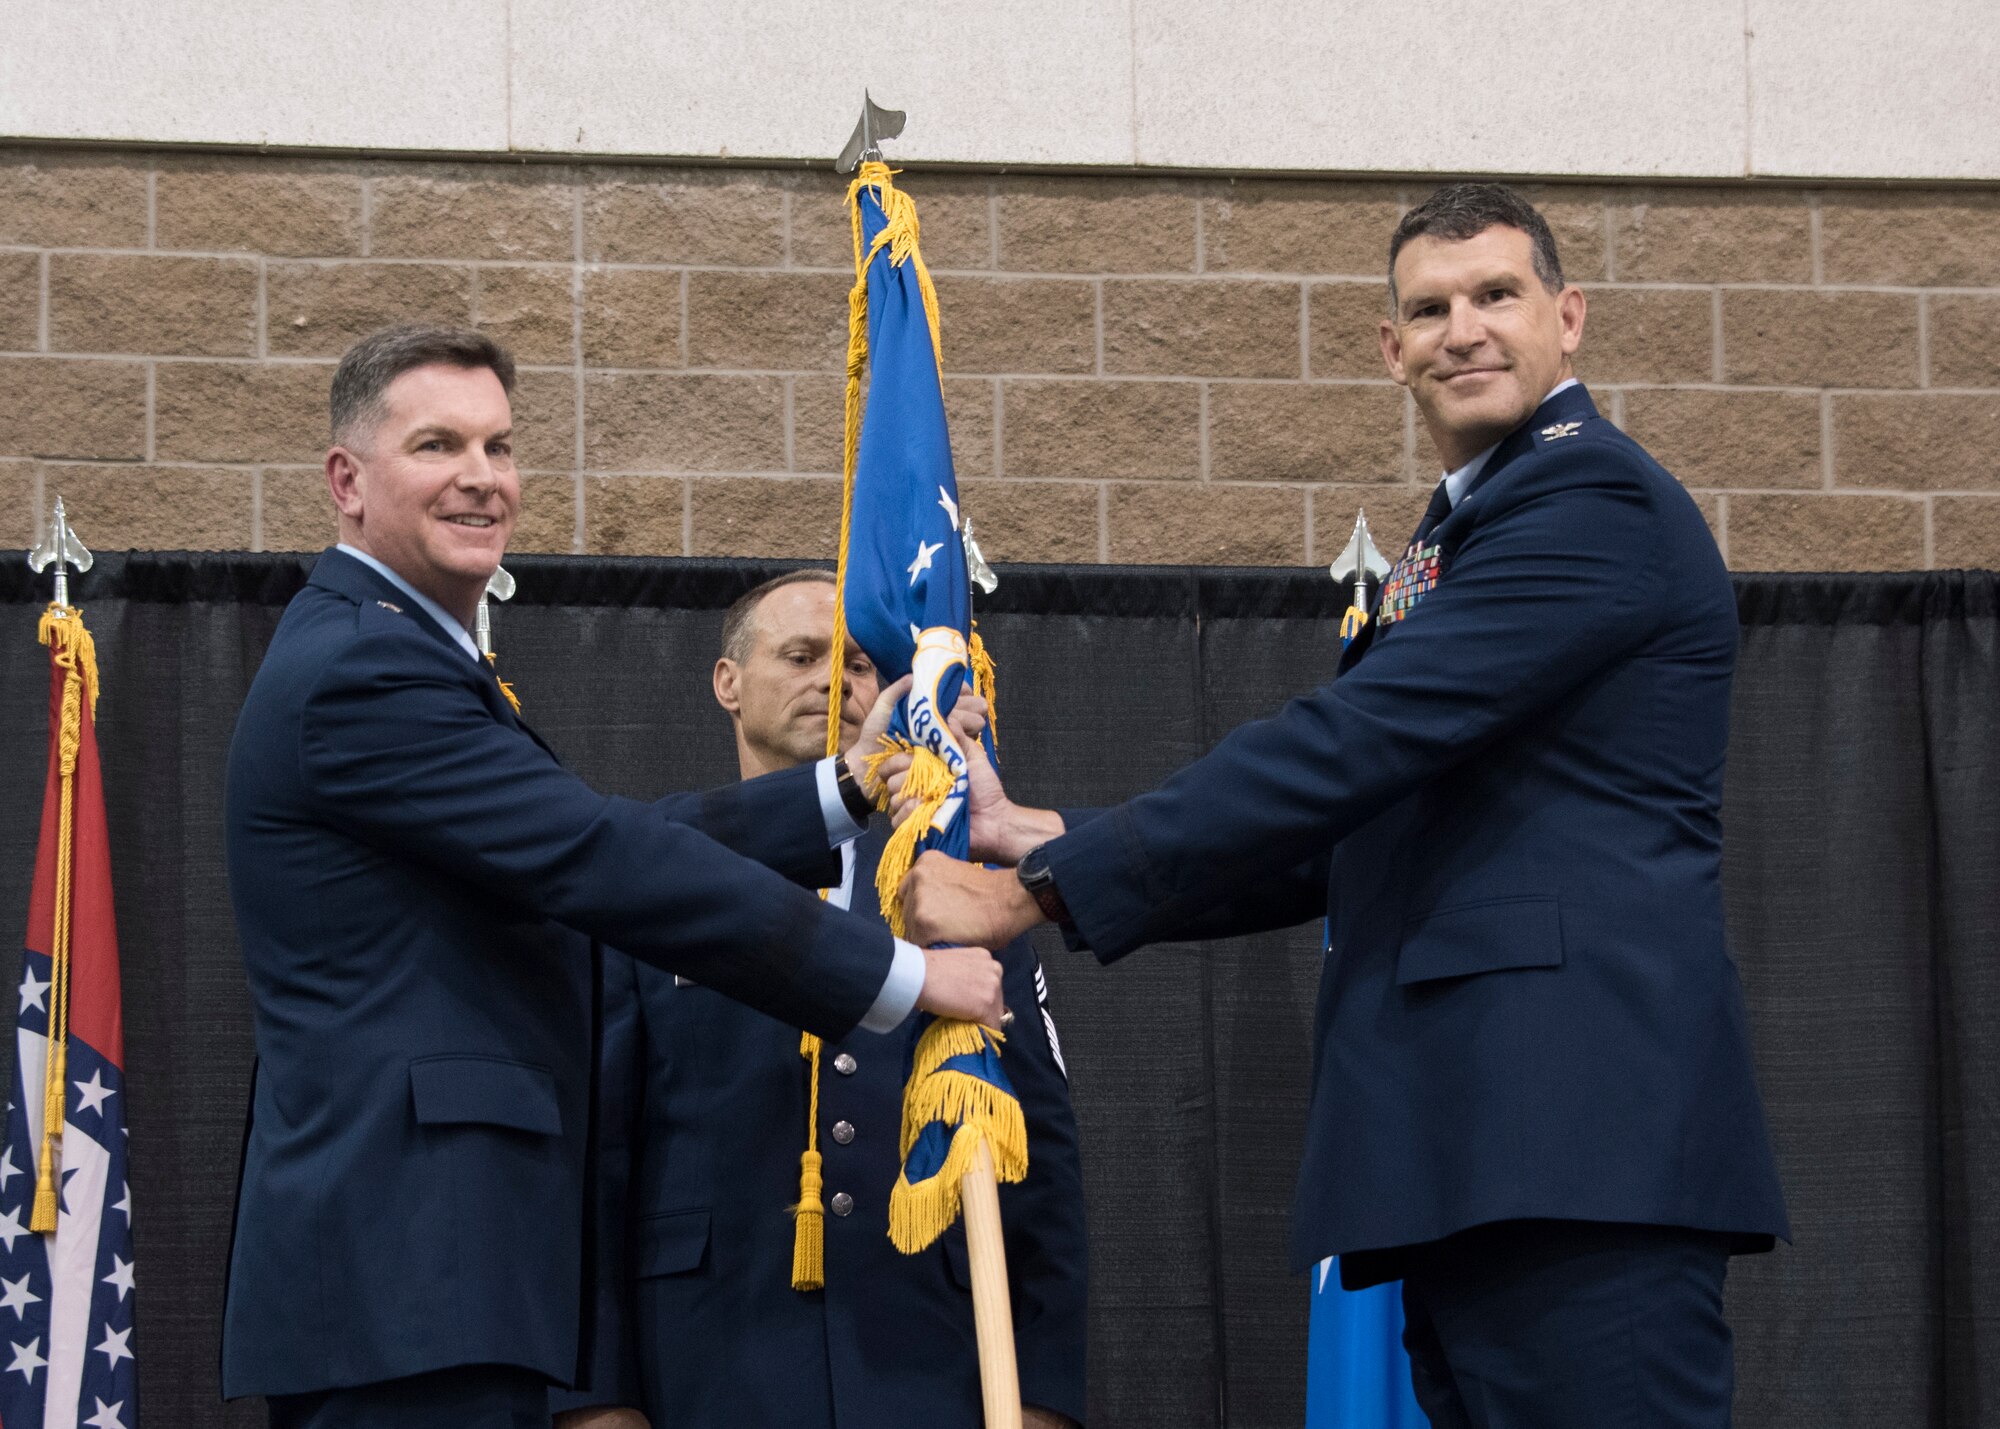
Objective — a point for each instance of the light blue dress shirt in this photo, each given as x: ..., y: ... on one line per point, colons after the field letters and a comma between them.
x: 1456, y: 482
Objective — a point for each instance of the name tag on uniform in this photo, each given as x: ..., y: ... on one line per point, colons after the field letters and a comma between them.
x: 1410, y: 581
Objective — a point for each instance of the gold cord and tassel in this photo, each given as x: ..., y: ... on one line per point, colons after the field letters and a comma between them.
x: 809, y: 1215
x: 983, y: 684
x: 75, y: 654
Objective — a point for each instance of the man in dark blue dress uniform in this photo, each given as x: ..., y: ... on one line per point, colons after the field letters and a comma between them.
x: 421, y: 889
x: 1533, y: 1099
x: 705, y: 1108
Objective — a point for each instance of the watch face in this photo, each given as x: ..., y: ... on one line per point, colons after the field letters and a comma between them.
x: 1033, y: 867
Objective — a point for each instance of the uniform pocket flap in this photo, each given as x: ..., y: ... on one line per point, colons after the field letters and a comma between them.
x: 1485, y: 937
x: 671, y: 1244
x: 485, y: 1090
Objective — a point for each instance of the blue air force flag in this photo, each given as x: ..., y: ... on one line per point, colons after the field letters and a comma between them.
x: 906, y: 598
x: 905, y: 595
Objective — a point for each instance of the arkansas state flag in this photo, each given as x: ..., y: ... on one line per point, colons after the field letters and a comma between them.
x: 66, y: 1298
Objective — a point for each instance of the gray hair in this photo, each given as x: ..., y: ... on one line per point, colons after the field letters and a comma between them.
x: 739, y: 625
x: 1461, y: 211
x: 363, y: 377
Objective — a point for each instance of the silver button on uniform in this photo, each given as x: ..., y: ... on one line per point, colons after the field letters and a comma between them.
x: 843, y: 1204
x: 845, y: 1065
x: 843, y: 1132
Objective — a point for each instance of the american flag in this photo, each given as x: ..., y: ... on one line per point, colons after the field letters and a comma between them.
x: 66, y: 1299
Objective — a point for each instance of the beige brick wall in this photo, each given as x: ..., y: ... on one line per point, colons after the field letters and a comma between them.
x: 1139, y: 369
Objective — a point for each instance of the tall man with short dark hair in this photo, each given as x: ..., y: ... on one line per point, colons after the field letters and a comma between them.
x: 420, y: 888
x: 1532, y: 1100
x: 705, y: 1107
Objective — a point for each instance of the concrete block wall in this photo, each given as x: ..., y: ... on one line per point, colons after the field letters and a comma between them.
x: 1139, y: 369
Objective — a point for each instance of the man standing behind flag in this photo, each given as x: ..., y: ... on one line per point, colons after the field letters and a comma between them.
x: 705, y: 1109
x: 420, y: 889
x: 65, y: 1199
x: 1533, y: 1099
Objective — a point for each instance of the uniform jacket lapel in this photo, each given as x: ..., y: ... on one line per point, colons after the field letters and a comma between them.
x: 341, y: 573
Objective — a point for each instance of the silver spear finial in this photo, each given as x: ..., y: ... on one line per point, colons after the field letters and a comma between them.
x: 865, y: 143
x: 499, y: 586
x: 1353, y: 567
x: 62, y: 550
x: 975, y: 563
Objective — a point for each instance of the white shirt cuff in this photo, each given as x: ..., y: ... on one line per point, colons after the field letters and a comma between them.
x: 840, y: 825
x: 899, y: 990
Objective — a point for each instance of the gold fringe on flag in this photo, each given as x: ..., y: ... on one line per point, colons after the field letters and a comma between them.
x: 982, y: 681
x: 75, y: 654
x: 920, y: 1213
x: 929, y: 782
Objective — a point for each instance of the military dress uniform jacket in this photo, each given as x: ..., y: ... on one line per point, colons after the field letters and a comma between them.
x: 704, y: 1108
x: 418, y: 884
x: 1508, y: 806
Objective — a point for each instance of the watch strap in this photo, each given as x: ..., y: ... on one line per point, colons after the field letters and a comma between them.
x: 1035, y: 876
x: 859, y: 805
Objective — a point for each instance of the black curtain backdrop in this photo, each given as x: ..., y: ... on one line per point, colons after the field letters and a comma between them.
x: 1864, y: 899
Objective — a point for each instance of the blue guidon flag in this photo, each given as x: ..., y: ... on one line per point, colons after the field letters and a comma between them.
x: 1357, y: 1373
x: 905, y: 597
x: 66, y: 1288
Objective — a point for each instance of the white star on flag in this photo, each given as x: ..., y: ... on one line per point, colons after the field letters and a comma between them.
x: 27, y: 1359
x: 925, y: 550
x: 93, y: 1093
x: 31, y: 991
x: 106, y: 1416
x: 124, y: 1204
x: 113, y: 1349
x: 950, y: 506
x: 18, y: 1297
x: 120, y: 1276
x: 8, y: 1170
x: 11, y: 1228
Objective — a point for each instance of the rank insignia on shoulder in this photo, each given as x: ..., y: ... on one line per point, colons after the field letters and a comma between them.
x: 392, y: 609
x: 1559, y: 431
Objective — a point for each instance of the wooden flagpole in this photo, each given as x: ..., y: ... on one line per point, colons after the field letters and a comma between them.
x: 992, y: 1312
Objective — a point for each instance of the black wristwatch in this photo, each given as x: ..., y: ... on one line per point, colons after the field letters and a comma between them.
x: 1035, y: 875
x: 859, y: 805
